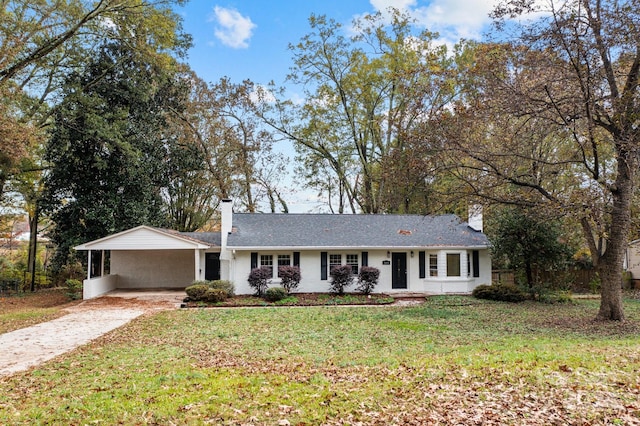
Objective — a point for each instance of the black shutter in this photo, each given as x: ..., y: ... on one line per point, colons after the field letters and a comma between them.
x: 254, y: 260
x: 323, y: 265
x: 476, y: 263
x: 296, y: 258
x: 423, y: 264
x: 365, y: 258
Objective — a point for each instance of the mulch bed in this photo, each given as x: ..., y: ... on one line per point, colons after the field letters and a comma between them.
x: 299, y: 299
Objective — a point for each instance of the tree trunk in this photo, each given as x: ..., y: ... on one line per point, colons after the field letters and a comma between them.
x: 529, y: 272
x: 610, y: 292
x: 33, y: 246
x: 610, y: 264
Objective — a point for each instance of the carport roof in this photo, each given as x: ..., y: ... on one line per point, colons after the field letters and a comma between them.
x: 146, y: 238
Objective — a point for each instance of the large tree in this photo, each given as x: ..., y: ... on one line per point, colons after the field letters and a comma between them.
x: 108, y: 151
x: 555, y: 122
x: 363, y: 95
x: 237, y: 150
x: 529, y: 242
x: 41, y: 42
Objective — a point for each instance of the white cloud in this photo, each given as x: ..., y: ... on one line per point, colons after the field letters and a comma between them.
x: 233, y: 29
x: 383, y: 5
x: 453, y: 19
x: 262, y: 94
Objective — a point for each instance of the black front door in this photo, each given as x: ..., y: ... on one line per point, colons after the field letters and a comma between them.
x: 212, y: 266
x: 399, y: 270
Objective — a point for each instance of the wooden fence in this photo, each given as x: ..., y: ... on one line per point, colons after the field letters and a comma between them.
x: 578, y: 280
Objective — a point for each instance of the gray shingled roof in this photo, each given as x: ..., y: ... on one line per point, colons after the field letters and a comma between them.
x: 211, y: 238
x: 327, y: 230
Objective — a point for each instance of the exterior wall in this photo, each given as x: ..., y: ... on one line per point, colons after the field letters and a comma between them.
x: 633, y: 259
x: 238, y: 269
x: 153, y: 268
x: 95, y: 287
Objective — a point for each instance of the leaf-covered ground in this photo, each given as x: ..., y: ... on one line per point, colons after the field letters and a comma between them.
x: 25, y: 309
x: 454, y: 360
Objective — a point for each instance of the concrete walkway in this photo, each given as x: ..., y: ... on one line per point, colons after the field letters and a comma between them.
x: 31, y: 346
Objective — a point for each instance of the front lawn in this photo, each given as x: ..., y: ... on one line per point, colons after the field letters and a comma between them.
x: 453, y: 360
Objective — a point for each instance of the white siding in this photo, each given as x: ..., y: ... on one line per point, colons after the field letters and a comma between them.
x: 95, y: 287
x: 141, y: 238
x: 633, y: 259
x: 238, y: 270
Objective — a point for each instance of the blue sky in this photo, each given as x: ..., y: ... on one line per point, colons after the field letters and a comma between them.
x: 248, y: 39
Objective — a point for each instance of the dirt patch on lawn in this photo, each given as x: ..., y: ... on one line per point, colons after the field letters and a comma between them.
x: 44, y: 298
x: 119, y: 302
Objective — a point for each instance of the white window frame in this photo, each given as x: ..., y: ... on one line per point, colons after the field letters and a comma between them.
x: 281, y: 256
x: 355, y: 267
x: 266, y: 260
x: 459, y: 264
x: 433, y: 267
x: 332, y: 261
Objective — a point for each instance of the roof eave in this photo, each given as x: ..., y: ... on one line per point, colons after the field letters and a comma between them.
x: 321, y: 248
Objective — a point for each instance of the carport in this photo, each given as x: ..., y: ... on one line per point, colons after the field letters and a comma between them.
x: 145, y: 257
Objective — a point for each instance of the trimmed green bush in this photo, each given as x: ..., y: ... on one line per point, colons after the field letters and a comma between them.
x: 274, y: 294
x: 500, y: 292
x: 215, y: 295
x: 225, y: 285
x: 74, y: 289
x: 196, y: 292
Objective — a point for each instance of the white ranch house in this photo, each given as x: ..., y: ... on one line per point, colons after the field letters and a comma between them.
x: 414, y: 253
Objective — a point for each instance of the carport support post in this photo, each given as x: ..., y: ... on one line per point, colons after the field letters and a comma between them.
x: 197, y: 264
x: 102, y: 263
x: 88, y: 264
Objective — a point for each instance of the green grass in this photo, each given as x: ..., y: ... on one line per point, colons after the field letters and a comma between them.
x: 452, y: 360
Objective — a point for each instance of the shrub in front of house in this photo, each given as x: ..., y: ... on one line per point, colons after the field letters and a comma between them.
x: 341, y: 277
x: 74, y: 289
x: 215, y: 295
x: 290, y: 276
x: 259, y: 279
x: 367, y: 279
x: 500, y: 292
x: 197, y: 291
x: 274, y: 294
x: 226, y: 286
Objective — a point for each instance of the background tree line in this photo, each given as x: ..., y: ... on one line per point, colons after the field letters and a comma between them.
x: 103, y: 126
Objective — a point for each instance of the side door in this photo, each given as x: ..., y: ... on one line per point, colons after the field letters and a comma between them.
x: 211, y: 266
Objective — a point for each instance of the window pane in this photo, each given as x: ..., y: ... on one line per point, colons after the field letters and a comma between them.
x: 266, y: 260
x: 334, y: 260
x: 433, y: 265
x: 283, y: 260
x: 453, y: 264
x: 352, y: 260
